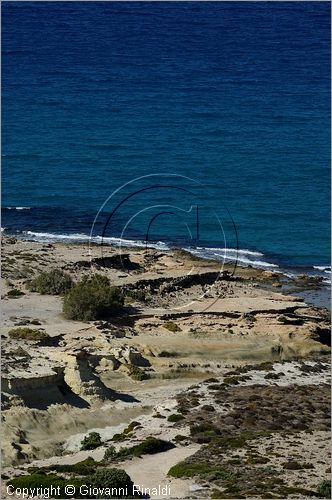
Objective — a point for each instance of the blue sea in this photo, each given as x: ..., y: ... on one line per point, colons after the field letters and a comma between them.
x: 204, y: 125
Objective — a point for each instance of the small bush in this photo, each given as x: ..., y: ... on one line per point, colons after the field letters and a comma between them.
x: 152, y: 445
x: 203, y: 470
x: 92, y: 299
x: 179, y: 438
x: 40, y: 480
x: 126, y: 432
x: 110, y: 454
x: 27, y: 334
x: 172, y: 327
x: 83, y: 468
x: 149, y: 446
x: 231, y: 380
x: 176, y: 417
x: 204, y: 433
x: 55, y: 282
x: 324, y: 489
x: 233, y: 442
x: 113, y: 478
x: 118, y: 437
x: 91, y: 441
x: 13, y: 294
x: 136, y: 295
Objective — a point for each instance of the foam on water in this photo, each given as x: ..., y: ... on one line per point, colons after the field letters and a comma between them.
x: 18, y: 208
x: 241, y: 256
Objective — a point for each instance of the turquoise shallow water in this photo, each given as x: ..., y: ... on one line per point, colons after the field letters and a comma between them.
x: 233, y: 95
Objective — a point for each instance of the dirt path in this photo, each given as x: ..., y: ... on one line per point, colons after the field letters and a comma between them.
x: 151, y: 472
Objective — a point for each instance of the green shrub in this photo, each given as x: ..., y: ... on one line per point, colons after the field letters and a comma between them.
x: 172, y: 327
x: 136, y: 295
x: 149, y: 446
x: 91, y: 441
x: 126, y: 432
x: 152, y: 445
x: 92, y: 299
x: 46, y: 481
x: 13, y: 294
x: 203, y: 470
x: 112, y: 478
x: 179, y: 438
x: 204, y: 427
x: 27, y: 334
x: 176, y: 417
x: 324, y: 489
x: 120, y: 436
x: 83, y: 468
x: 55, y: 282
x: 231, y: 380
x: 110, y: 454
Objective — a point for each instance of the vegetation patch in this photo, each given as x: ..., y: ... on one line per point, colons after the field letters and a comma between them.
x: 110, y: 454
x: 117, y: 479
x: 15, y: 293
x: 257, y: 459
x: 91, y: 441
x: 175, y: 417
x: 179, y: 438
x: 92, y: 299
x: 149, y: 446
x: 135, y: 296
x: 127, y: 432
x: 172, y: 327
x: 27, y: 334
x: 55, y: 282
x: 324, y: 489
x: 231, y: 380
x: 203, y: 470
x: 45, y: 481
x: 83, y: 468
x: 294, y: 465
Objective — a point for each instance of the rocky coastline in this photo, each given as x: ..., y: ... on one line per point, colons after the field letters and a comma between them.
x: 231, y: 369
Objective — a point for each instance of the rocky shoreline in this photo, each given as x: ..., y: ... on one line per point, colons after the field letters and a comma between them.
x: 232, y: 369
